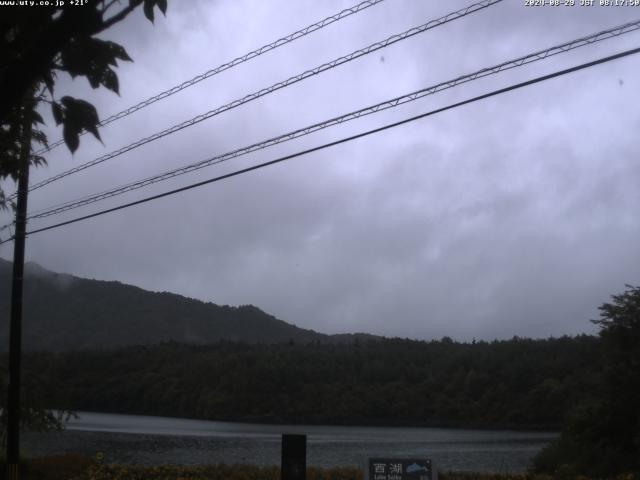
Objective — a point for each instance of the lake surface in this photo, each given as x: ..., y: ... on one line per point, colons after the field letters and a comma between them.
x: 135, y: 439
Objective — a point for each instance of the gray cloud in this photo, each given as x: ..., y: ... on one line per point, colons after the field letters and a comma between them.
x: 514, y: 216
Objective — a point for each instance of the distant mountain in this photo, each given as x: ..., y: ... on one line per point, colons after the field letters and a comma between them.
x: 64, y: 312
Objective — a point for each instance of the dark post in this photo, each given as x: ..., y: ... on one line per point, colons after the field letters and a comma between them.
x: 294, y: 457
x: 15, y: 327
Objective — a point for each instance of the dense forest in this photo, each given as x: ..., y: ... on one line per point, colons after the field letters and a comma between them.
x: 512, y: 384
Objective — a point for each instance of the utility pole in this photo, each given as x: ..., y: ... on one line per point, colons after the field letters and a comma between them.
x: 15, y: 328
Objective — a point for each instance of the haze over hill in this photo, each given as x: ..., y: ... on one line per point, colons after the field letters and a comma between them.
x: 63, y: 312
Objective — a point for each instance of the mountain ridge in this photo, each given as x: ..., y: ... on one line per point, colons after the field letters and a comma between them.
x: 66, y: 312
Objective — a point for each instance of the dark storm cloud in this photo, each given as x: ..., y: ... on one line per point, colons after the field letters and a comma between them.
x: 514, y: 216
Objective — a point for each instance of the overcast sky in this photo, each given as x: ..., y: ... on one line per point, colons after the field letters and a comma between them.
x: 517, y: 215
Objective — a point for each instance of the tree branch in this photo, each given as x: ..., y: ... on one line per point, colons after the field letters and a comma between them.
x: 108, y: 5
x: 118, y: 17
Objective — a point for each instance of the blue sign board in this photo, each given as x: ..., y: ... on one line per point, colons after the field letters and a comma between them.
x: 400, y: 469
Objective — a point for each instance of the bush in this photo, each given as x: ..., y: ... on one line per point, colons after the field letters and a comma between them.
x: 56, y: 467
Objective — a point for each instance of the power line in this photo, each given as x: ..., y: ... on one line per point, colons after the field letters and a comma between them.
x: 523, y: 60
x: 277, y: 86
x: 226, y: 66
x: 343, y: 140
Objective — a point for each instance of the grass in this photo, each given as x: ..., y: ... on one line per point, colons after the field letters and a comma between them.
x: 80, y: 467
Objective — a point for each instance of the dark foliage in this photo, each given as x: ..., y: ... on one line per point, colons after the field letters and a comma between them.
x: 513, y: 384
x: 56, y: 467
x: 602, y: 435
x: 36, y: 44
x: 34, y: 414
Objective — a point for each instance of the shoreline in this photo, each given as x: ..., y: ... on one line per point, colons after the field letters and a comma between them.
x: 271, y: 422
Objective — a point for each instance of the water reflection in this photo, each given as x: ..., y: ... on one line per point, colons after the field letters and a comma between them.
x: 156, y: 440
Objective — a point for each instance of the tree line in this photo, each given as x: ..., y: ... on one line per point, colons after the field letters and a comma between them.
x: 519, y: 383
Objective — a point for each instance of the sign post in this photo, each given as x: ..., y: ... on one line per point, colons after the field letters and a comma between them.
x: 401, y: 469
x: 294, y: 457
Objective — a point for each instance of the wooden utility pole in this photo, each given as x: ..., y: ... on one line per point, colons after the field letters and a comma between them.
x: 15, y: 328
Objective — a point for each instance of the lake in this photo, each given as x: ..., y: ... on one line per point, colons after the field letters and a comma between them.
x: 134, y: 439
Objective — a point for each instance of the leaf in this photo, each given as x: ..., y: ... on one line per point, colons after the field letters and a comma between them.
x: 38, y: 160
x: 162, y: 5
x: 66, y: 100
x: 48, y: 81
x: 119, y: 52
x: 148, y: 9
x: 39, y: 137
x: 93, y: 129
x: 110, y: 81
x: 91, y: 57
x: 81, y: 110
x: 110, y: 60
x: 56, y: 110
x: 94, y: 79
x: 71, y: 138
x: 77, y: 57
x: 79, y: 115
x: 37, y: 118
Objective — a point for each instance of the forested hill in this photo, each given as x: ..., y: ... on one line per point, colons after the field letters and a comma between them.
x: 515, y: 383
x: 63, y: 312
